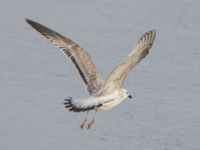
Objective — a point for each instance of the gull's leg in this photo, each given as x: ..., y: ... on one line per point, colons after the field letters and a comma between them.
x: 92, y: 121
x: 85, y: 120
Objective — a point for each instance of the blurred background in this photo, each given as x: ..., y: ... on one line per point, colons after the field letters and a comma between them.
x: 35, y: 77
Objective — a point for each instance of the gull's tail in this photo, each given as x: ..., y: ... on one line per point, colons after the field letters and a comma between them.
x: 81, y: 105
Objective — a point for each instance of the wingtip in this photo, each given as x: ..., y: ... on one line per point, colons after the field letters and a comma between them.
x: 27, y: 19
x: 30, y: 21
x: 151, y: 34
x: 153, y: 31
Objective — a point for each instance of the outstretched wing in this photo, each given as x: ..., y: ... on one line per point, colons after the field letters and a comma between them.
x: 78, y: 55
x: 116, y: 79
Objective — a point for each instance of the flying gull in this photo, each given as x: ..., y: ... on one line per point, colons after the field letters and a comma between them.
x: 106, y: 94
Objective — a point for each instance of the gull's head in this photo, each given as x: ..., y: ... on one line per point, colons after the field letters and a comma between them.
x: 126, y: 94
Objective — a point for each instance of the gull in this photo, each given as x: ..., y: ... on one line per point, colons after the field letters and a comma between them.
x: 103, y: 94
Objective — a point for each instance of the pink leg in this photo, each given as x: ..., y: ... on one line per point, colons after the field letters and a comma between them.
x: 92, y: 121
x: 85, y: 120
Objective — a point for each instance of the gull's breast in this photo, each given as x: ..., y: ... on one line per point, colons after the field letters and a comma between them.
x: 110, y: 104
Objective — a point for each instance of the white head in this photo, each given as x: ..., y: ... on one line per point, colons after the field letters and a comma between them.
x: 126, y: 93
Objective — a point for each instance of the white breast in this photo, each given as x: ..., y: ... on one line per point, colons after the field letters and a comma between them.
x: 110, y: 104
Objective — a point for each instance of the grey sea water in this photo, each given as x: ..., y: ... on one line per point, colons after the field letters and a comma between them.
x: 35, y: 77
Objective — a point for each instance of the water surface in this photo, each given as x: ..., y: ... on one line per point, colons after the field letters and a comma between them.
x: 36, y: 77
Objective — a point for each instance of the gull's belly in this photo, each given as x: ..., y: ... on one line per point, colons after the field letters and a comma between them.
x: 110, y: 104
